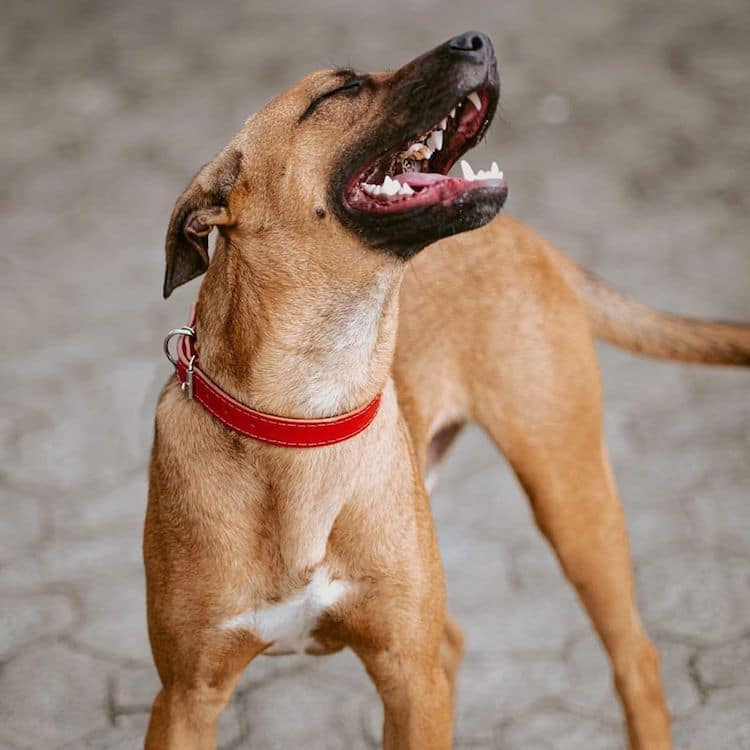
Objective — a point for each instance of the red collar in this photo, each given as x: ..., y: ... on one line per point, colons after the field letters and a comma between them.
x: 298, y: 433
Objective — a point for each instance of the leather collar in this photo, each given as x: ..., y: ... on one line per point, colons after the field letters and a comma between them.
x: 268, y: 428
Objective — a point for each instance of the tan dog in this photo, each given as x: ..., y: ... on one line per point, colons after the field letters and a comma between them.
x: 254, y: 548
x: 251, y: 547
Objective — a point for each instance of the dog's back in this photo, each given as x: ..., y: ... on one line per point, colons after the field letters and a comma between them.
x: 481, y: 311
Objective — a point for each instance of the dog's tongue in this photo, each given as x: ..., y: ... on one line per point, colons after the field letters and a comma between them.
x: 419, y: 179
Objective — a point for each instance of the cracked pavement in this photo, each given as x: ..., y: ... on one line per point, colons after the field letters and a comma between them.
x: 624, y: 136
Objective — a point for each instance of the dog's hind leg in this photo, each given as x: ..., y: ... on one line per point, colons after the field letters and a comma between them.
x: 551, y: 432
x: 577, y: 509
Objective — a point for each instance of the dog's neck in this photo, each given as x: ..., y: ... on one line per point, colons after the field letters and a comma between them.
x: 305, y: 342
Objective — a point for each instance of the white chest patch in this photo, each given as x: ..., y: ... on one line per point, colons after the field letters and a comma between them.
x: 287, y: 625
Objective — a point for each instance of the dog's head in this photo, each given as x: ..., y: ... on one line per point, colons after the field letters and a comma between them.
x: 349, y: 160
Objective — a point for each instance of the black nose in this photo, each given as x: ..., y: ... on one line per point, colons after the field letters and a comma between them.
x: 471, y: 45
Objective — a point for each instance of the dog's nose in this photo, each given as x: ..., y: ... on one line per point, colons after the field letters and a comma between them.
x: 471, y: 45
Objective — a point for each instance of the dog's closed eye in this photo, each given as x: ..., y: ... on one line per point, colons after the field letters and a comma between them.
x: 352, y: 87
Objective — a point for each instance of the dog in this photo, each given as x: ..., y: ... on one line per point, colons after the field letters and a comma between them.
x: 263, y: 539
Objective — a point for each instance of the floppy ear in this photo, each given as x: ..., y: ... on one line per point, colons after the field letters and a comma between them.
x: 202, y: 206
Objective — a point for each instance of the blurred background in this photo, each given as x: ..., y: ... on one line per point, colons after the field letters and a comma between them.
x: 625, y: 138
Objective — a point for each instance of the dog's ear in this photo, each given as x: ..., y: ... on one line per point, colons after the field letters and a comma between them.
x: 203, y: 205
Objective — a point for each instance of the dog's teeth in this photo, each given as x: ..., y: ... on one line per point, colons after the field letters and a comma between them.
x: 390, y: 187
x: 475, y: 100
x: 443, y: 123
x: 495, y: 172
x: 406, y: 190
x: 453, y: 112
x: 371, y: 189
x: 425, y: 148
x: 467, y: 171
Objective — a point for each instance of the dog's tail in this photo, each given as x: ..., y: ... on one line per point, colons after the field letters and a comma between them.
x: 626, y: 323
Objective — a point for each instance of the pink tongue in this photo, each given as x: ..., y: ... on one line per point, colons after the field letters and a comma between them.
x: 419, y: 179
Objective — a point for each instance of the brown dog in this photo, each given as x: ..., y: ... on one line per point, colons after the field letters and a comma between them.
x: 253, y: 548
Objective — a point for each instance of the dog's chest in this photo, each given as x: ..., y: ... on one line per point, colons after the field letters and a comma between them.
x: 287, y: 625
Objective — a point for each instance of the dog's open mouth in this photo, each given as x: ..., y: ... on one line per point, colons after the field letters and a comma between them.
x: 414, y: 174
x: 392, y: 188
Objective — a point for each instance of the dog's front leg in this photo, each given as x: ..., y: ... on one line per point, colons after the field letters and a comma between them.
x: 416, y: 694
x: 185, y: 717
x: 198, y: 676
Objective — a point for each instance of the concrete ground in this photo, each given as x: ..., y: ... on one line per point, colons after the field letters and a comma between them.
x: 624, y: 136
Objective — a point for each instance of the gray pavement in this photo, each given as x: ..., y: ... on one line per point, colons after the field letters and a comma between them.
x: 624, y: 136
